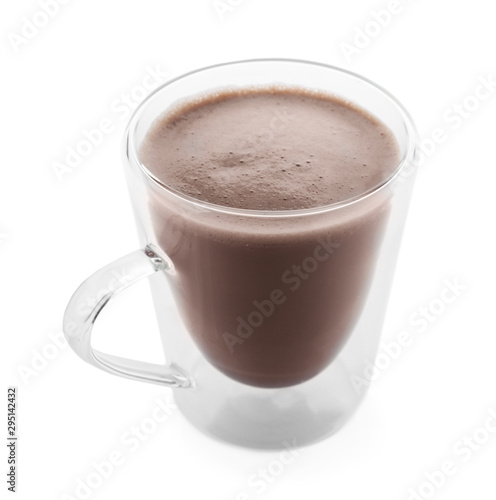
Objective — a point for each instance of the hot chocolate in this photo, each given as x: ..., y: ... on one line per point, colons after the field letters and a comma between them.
x: 270, y: 300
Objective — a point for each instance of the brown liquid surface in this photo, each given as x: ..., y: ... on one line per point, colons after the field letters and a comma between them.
x: 269, y: 302
x: 270, y: 150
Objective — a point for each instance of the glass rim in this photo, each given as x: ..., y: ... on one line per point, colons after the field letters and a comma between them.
x: 131, y: 153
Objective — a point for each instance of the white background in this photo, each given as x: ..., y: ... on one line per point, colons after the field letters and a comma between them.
x: 54, y: 233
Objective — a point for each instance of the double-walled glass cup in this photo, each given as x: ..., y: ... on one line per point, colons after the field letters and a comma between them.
x: 282, y: 310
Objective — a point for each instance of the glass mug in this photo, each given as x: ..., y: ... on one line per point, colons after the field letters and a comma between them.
x: 282, y: 310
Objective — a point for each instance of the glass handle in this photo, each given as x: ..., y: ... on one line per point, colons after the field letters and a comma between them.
x: 92, y: 296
